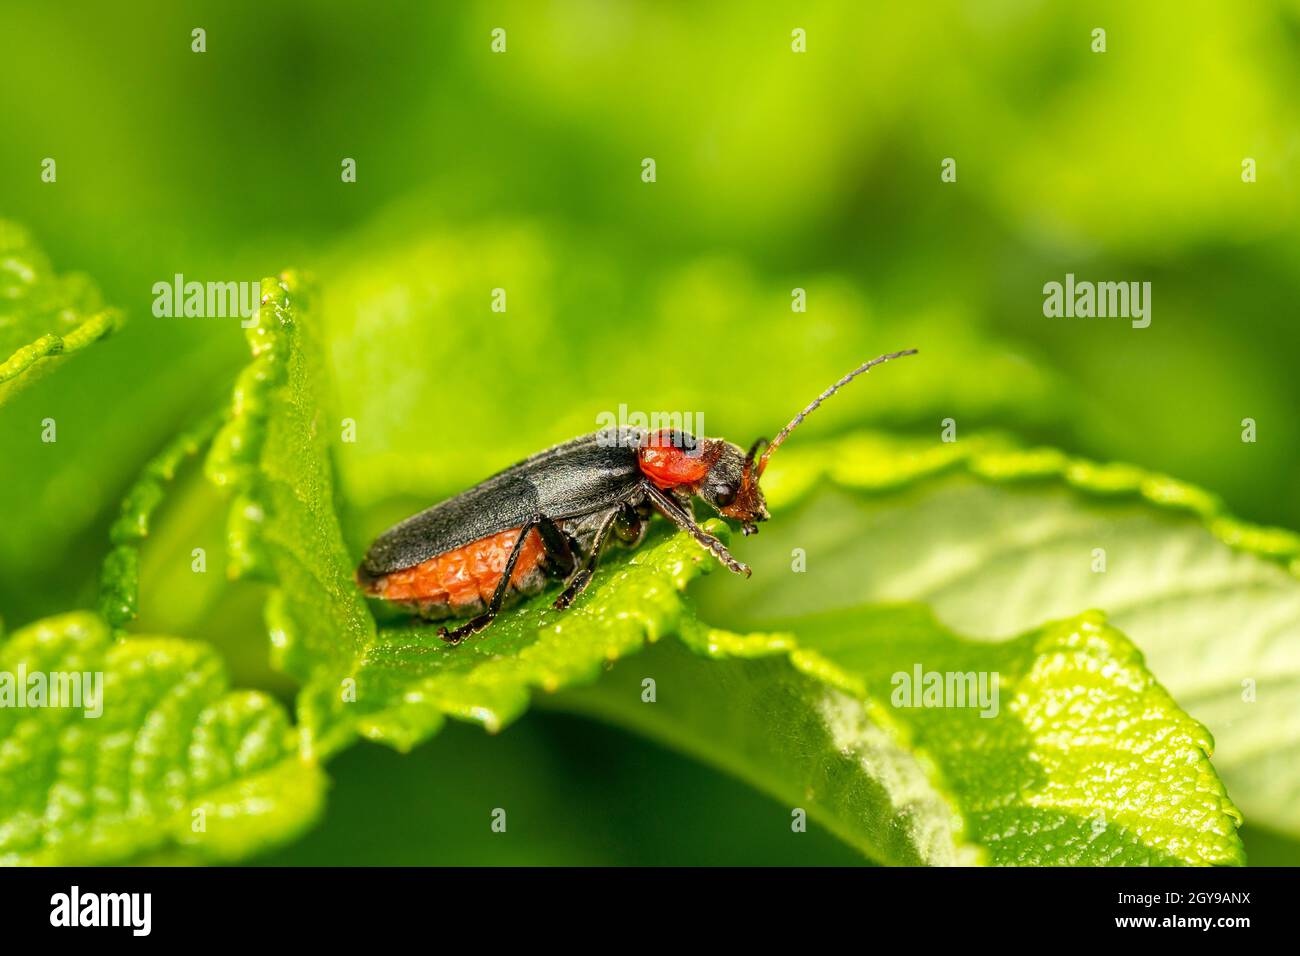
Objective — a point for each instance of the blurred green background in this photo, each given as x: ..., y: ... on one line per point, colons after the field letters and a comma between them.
x: 522, y: 170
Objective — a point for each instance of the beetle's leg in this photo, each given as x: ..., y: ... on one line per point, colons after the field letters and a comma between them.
x: 670, y: 509
x: 559, y: 547
x: 474, y: 625
x: 578, y: 583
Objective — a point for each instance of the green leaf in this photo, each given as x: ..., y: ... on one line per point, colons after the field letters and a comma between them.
x: 42, y: 315
x: 1076, y: 756
x: 996, y: 538
x: 119, y: 581
x: 172, y: 758
x: 273, y: 455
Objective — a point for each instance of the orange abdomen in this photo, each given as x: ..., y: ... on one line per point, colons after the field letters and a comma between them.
x: 462, y: 581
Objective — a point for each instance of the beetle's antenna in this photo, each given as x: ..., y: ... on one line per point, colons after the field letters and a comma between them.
x: 794, y: 422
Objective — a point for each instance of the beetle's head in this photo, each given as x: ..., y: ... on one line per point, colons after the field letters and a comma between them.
x: 731, y: 486
x: 721, y: 473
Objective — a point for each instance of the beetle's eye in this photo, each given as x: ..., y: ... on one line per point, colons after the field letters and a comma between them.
x: 725, y: 495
